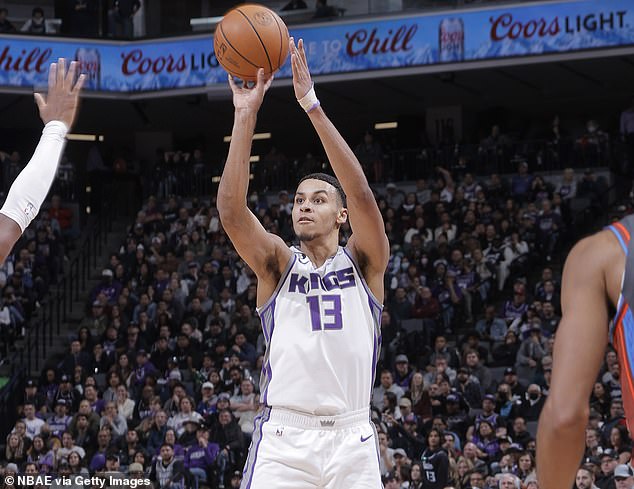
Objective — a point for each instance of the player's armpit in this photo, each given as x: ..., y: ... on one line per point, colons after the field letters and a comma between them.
x: 579, y: 347
x: 10, y: 232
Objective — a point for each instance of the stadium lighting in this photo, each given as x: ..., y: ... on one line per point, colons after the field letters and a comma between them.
x: 256, y: 137
x: 385, y: 125
x: 254, y: 159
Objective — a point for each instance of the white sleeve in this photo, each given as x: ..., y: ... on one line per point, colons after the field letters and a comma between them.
x: 33, y: 183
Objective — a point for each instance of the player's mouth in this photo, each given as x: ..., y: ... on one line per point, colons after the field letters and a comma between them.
x: 304, y: 220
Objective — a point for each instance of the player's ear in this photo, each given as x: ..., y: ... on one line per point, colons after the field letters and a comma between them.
x: 342, y: 216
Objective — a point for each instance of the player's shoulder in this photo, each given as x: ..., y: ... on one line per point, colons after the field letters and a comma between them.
x: 599, y: 253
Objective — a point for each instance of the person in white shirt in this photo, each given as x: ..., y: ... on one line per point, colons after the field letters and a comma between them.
x: 125, y: 405
x: 33, y: 424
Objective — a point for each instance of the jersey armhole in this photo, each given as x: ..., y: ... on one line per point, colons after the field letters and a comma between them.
x: 283, y: 277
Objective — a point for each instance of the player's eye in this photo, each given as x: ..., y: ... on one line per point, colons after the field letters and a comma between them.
x: 318, y: 201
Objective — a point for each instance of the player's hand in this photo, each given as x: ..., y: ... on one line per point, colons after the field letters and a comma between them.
x: 62, y: 99
x: 302, y: 82
x: 247, y: 97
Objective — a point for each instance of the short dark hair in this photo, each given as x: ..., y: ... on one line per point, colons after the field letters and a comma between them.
x: 324, y: 177
x: 37, y: 10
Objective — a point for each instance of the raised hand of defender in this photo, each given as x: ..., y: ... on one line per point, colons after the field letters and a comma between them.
x: 62, y: 98
x: 250, y: 98
x: 302, y: 82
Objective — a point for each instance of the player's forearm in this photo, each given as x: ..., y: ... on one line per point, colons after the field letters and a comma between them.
x: 341, y: 157
x: 234, y: 184
x: 559, y: 447
x: 28, y: 191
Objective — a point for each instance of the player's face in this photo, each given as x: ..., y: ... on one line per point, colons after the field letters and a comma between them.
x: 317, y: 210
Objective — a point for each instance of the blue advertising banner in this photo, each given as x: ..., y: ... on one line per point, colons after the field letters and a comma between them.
x: 337, y: 47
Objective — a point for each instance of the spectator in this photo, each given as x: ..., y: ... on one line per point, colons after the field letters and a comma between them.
x: 6, y: 26
x: 387, y: 385
x: 201, y: 458
x: 167, y: 472
x: 37, y: 23
x: 120, y: 16
x: 228, y: 435
x: 437, y: 475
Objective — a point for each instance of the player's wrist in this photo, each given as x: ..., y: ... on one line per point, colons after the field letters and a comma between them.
x: 309, y: 102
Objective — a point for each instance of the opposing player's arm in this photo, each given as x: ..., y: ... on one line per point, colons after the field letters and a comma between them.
x: 369, y: 242
x: 256, y: 246
x: 28, y: 191
x: 579, y: 348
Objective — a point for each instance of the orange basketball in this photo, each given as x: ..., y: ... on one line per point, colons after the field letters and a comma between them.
x: 250, y: 37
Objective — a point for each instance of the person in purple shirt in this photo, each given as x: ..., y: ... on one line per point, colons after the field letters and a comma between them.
x: 107, y: 287
x: 58, y: 423
x: 97, y: 405
x: 244, y: 349
x: 145, y: 368
x: 402, y: 372
x: 521, y: 183
x: 201, y: 457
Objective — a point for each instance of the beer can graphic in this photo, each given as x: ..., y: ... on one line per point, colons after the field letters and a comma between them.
x: 451, y: 40
x: 89, y: 61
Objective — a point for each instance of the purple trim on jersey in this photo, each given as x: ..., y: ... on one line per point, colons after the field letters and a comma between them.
x: 266, y: 366
x: 288, y: 269
x: 249, y: 468
x: 373, y: 299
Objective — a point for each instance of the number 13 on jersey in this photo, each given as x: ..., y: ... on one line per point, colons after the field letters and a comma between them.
x: 325, y: 312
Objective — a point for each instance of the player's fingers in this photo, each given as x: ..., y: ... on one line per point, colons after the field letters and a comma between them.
x: 260, y: 77
x: 61, y: 71
x: 232, y: 83
x: 80, y: 83
x: 70, y: 76
x: 302, y: 53
x: 294, y: 66
x: 39, y: 100
x: 52, y: 76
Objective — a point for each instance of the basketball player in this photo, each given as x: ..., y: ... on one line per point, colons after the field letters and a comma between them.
x: 598, y: 275
x: 320, y: 306
x: 29, y: 189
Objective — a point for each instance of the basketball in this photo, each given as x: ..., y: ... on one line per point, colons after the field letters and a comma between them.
x: 250, y: 37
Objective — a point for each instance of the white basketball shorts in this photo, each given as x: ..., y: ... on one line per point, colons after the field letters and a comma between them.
x: 291, y: 450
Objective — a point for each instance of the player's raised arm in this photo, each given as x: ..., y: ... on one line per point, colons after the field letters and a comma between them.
x: 369, y: 242
x: 253, y: 243
x: 57, y: 110
x: 579, y: 348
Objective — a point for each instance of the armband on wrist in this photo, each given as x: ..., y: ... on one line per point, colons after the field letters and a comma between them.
x: 309, y: 102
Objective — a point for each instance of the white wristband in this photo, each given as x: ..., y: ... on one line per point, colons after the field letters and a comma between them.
x: 32, y: 184
x: 309, y: 102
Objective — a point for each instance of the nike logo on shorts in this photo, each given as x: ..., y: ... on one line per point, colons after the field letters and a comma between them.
x: 366, y: 438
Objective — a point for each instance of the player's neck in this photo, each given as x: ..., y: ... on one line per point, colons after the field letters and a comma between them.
x: 319, y: 251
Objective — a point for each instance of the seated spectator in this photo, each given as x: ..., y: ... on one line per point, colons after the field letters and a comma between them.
x: 185, y: 413
x: 6, y: 26
x: 114, y: 420
x: 36, y: 24
x: 533, y: 403
x: 387, y: 385
x: 227, y: 433
x: 201, y: 458
x: 167, y: 471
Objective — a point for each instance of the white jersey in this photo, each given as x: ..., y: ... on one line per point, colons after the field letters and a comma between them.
x: 322, y: 330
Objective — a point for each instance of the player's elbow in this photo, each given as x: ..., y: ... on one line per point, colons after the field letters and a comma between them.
x: 565, y: 414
